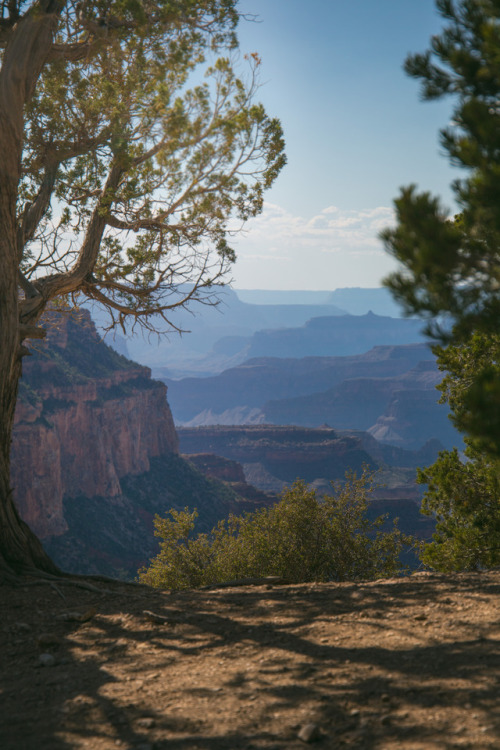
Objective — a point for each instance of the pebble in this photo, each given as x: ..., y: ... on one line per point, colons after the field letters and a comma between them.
x: 309, y: 733
x: 147, y: 722
x: 46, y: 660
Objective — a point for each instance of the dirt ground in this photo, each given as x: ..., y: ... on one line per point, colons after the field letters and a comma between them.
x: 408, y: 663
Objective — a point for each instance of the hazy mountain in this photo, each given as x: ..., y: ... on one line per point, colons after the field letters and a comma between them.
x: 197, y: 349
x: 335, y: 336
x: 401, y: 410
x: 358, y: 301
x: 258, y: 381
x: 245, y: 324
x: 388, y: 391
x: 353, y: 300
x: 283, y: 297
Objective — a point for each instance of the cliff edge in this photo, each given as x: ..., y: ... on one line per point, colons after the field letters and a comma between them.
x: 95, y: 453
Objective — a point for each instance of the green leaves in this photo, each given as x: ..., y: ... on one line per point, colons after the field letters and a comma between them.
x: 454, y: 268
x: 152, y: 159
x: 464, y: 498
x: 464, y: 491
x: 450, y: 271
x: 472, y: 389
x: 301, y: 538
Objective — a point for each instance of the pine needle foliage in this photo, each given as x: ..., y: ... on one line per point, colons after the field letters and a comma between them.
x: 463, y: 492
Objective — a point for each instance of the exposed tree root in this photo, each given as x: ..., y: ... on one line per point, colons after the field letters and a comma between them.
x: 35, y: 577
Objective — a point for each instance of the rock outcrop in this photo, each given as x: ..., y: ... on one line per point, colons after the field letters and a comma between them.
x: 231, y: 472
x: 95, y: 455
x: 80, y: 430
x: 282, y: 453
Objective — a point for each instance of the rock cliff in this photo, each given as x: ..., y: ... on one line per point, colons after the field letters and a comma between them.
x: 282, y: 453
x: 95, y: 454
x: 85, y: 420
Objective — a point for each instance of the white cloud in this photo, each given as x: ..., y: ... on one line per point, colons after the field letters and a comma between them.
x: 332, y: 248
x: 334, y: 226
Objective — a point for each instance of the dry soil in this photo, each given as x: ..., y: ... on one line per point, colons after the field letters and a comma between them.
x: 408, y: 663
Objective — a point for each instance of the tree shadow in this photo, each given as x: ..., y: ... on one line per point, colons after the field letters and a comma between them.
x: 245, y: 668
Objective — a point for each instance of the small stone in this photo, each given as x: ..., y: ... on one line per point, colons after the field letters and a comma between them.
x: 309, y: 733
x: 147, y: 722
x: 385, y: 697
x: 386, y: 720
x: 46, y: 660
x: 421, y: 616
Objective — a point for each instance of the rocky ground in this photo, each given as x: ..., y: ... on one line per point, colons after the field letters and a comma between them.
x: 408, y: 663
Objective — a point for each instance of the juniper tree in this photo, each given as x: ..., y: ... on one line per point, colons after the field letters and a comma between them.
x: 122, y: 173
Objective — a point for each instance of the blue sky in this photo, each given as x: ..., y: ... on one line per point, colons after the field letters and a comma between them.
x: 355, y: 130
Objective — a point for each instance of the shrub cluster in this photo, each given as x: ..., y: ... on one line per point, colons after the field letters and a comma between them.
x: 301, y: 538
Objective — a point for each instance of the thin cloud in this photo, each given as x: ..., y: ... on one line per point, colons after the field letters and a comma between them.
x: 282, y: 250
x: 332, y: 228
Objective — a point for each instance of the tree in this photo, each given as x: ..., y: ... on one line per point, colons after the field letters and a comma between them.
x: 453, y: 267
x: 464, y: 496
x: 118, y: 182
x: 300, y: 538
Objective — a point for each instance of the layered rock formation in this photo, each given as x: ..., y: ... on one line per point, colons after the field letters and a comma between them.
x: 335, y: 336
x: 95, y: 454
x: 282, y: 454
x: 273, y: 457
x: 80, y: 429
x: 256, y: 382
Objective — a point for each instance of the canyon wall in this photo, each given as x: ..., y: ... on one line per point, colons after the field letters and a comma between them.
x: 95, y: 455
x: 82, y: 424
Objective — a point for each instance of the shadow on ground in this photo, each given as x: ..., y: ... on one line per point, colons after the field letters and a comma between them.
x: 407, y: 663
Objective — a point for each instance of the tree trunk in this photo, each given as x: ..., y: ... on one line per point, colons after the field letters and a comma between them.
x: 20, y: 549
x: 24, y: 57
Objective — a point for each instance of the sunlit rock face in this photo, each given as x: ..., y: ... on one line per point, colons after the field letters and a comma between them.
x: 86, y: 418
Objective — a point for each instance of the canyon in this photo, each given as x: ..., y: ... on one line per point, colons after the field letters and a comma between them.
x: 95, y: 454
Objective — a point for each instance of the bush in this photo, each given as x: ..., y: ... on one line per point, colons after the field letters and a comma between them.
x: 463, y: 496
x: 301, y: 538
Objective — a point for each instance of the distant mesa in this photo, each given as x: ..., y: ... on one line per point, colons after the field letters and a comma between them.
x: 335, y: 336
x: 352, y: 300
x: 220, y: 337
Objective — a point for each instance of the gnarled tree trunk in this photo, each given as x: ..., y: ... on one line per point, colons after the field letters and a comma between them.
x: 20, y: 550
x: 23, y: 60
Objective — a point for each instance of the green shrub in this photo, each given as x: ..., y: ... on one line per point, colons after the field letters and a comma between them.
x: 301, y: 538
x: 463, y: 496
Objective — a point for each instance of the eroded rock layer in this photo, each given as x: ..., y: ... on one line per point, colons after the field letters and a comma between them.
x: 86, y: 418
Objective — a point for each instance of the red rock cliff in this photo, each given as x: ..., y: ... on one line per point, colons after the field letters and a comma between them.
x: 86, y: 418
